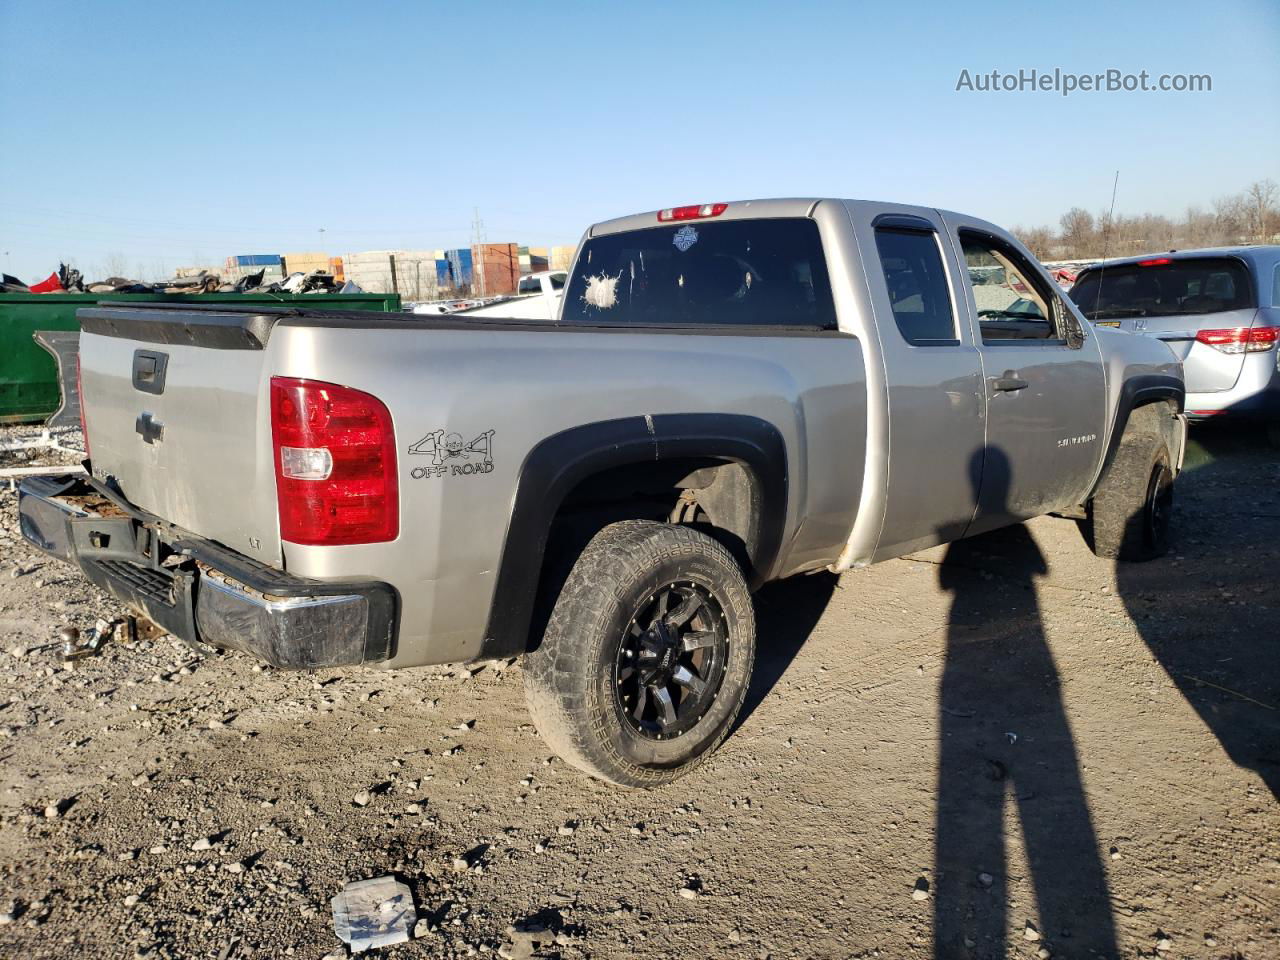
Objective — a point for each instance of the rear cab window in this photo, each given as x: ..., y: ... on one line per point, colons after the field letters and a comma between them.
x: 766, y: 272
x: 918, y: 293
x: 1164, y: 287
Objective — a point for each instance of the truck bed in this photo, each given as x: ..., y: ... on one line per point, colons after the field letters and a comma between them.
x: 494, y: 387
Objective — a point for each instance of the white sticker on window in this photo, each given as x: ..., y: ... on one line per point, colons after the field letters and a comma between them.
x: 685, y: 238
x: 602, y: 291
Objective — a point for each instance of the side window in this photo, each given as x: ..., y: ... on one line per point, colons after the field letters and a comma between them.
x: 1012, y: 302
x: 557, y: 281
x: 529, y: 285
x: 918, y: 292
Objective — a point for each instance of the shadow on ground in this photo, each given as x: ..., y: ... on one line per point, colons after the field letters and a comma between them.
x: 786, y: 613
x: 1210, y: 611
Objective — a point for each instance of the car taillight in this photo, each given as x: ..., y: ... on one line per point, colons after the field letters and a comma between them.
x: 84, y: 430
x: 693, y: 212
x: 1241, y: 339
x: 335, y: 464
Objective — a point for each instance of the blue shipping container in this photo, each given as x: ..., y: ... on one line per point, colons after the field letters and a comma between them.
x: 442, y: 273
x: 258, y: 260
x: 459, y: 266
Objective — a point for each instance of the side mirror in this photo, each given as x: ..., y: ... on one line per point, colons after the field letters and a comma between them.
x: 1072, y: 332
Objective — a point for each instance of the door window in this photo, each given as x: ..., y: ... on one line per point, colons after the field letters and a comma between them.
x: 918, y: 292
x: 1012, y: 301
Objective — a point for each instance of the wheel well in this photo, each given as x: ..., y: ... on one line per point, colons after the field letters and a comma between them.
x: 724, y: 473
x: 722, y: 499
x: 719, y: 497
x: 1141, y: 398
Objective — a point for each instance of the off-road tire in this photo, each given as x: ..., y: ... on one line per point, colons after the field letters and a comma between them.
x: 571, y: 677
x: 1130, y: 513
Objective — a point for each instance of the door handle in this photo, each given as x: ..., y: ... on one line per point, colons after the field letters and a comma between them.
x: 1008, y: 383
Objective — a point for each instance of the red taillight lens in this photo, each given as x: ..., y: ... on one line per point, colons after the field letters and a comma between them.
x: 1241, y: 339
x: 335, y: 464
x: 693, y: 212
x: 84, y: 430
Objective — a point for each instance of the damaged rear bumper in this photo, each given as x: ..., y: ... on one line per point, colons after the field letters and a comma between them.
x: 200, y: 591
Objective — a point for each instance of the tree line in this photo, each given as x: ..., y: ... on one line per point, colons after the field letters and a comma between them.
x: 1251, y: 216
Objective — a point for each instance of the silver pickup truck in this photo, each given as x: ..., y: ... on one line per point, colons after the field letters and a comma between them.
x: 732, y: 393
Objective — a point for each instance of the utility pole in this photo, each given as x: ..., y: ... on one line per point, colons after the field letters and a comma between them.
x: 477, y: 247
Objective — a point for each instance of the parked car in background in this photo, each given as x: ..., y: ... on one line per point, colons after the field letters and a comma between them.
x: 537, y: 297
x: 1219, y: 310
x: 732, y: 393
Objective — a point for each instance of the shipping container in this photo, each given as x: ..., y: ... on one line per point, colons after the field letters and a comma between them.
x: 561, y: 258
x: 460, y: 267
x: 304, y: 262
x: 410, y: 273
x: 496, y: 267
x: 258, y: 260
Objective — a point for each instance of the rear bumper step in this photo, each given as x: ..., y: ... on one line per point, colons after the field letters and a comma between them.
x: 200, y: 591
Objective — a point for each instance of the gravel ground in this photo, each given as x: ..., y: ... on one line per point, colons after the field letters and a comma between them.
x: 1004, y: 748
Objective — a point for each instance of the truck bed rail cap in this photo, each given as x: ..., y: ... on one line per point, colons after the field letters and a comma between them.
x: 235, y: 329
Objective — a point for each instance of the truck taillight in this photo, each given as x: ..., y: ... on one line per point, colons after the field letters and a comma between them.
x: 335, y: 464
x: 697, y: 211
x: 1240, y: 339
x: 84, y: 430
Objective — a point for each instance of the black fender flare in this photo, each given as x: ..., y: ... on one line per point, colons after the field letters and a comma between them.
x: 560, y: 462
x: 1138, y: 392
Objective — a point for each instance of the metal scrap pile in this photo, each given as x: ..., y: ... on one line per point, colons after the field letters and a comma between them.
x: 70, y: 280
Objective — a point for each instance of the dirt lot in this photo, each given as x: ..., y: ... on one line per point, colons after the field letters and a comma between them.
x: 1021, y: 751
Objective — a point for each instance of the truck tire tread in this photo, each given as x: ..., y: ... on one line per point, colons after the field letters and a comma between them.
x: 1116, y: 511
x: 560, y: 675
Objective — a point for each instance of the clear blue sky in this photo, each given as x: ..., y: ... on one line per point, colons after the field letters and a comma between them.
x: 174, y: 133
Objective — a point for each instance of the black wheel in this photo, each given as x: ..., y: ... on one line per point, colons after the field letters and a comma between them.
x: 647, y: 655
x: 1131, y: 512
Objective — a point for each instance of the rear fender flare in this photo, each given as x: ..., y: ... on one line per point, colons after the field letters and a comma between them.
x: 560, y: 462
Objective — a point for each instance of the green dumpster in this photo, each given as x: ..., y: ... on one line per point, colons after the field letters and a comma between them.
x: 28, y: 375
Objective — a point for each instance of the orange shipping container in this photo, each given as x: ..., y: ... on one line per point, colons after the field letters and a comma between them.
x: 496, y: 267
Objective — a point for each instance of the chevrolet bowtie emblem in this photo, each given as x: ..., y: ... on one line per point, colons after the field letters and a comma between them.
x: 149, y: 429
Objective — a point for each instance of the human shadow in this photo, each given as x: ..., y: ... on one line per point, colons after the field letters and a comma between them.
x: 1209, y: 612
x: 1004, y: 738
x: 786, y: 613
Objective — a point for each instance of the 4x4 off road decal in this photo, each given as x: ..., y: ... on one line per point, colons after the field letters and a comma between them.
x: 451, y: 456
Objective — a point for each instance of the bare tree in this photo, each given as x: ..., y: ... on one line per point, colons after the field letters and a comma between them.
x: 1260, y: 208
x: 1039, y: 240
x: 1079, y: 233
x: 1232, y: 218
x: 1252, y: 216
x: 114, y: 265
